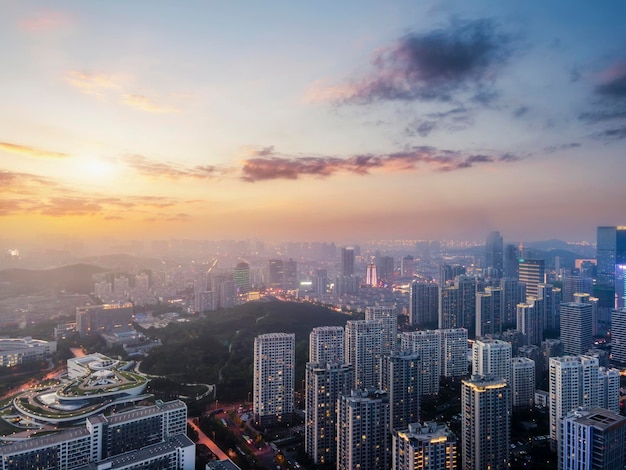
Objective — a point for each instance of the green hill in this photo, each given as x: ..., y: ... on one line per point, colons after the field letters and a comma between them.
x: 219, y: 348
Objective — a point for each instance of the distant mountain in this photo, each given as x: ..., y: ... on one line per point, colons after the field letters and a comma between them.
x: 123, y: 262
x: 74, y: 279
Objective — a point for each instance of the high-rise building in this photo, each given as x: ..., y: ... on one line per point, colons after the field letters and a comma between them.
x: 96, y: 319
x: 363, y: 342
x: 485, y: 423
x: 618, y: 335
x: 511, y: 261
x: 325, y: 384
x: 290, y: 275
x: 347, y: 261
x: 449, y: 272
x: 530, y: 320
x: 153, y: 435
x: 241, y: 276
x: 457, y: 304
x: 276, y: 273
x: 424, y: 304
x: 407, y: 268
x: 426, y: 344
x: 489, y: 318
x: 371, y: 276
x: 327, y: 345
x: 320, y: 281
x: 227, y: 292
x: 611, y: 262
x: 609, y: 383
x: 431, y: 446
x: 273, y: 380
x: 389, y: 319
x: 403, y: 388
x: 363, y: 437
x: 494, y: 252
x: 577, y: 325
x: 574, y: 382
x: 532, y: 273
x: 552, y: 305
x: 522, y: 382
x: 385, y: 267
x: 592, y: 440
x: 513, y: 293
x: 453, y: 352
x: 492, y: 357
x: 575, y: 285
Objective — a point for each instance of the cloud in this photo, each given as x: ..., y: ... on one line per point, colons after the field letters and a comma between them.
x: 46, y: 21
x: 435, y: 66
x: 30, y: 151
x: 555, y: 148
x: 143, y: 103
x: 285, y: 167
x: 610, y: 101
x: 23, y: 183
x: 62, y: 206
x: 451, y: 120
x: 92, y: 83
x: 613, y: 134
x: 519, y: 112
x: 154, y: 169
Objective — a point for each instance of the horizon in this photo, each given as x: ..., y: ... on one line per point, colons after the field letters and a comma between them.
x: 396, y: 121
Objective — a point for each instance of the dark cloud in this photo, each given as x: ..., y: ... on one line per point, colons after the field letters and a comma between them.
x: 615, y: 88
x: 610, y: 104
x: 555, y: 148
x: 613, y: 134
x: 156, y: 169
x: 451, y: 120
x: 464, y: 56
x: 421, y: 127
x: 519, y: 112
x: 285, y: 167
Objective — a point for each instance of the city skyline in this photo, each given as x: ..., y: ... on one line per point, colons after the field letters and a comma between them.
x: 362, y: 120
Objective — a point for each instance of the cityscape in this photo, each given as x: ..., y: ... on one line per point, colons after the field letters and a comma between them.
x: 357, y: 235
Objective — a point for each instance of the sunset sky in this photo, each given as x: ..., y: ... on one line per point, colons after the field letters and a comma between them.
x: 312, y: 120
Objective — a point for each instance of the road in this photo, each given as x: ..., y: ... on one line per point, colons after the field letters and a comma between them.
x: 204, y: 439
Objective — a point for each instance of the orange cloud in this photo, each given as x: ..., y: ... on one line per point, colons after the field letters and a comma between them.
x: 30, y: 151
x: 146, y: 104
x: 92, y: 83
x: 45, y: 21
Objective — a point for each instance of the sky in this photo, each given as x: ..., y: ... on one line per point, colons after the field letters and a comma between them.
x: 310, y: 121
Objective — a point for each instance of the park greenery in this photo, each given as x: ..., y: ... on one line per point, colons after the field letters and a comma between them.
x: 218, y: 348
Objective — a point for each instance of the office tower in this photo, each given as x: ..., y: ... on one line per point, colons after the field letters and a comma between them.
x: 96, y: 319
x: 592, y: 440
x: 449, y: 272
x: 511, y: 262
x: 513, y: 293
x: 426, y: 344
x: 363, y: 342
x: 325, y: 384
x: 453, y: 352
x: 205, y: 301
x: 347, y: 261
x: 326, y: 345
x: 494, y: 252
x: 371, y: 276
x: 522, y: 382
x: 552, y: 305
x: 389, y: 319
x: 424, y: 304
x: 320, y: 281
x: 158, y: 431
x: 577, y: 325
x: 609, y: 384
x: 489, y: 312
x: 457, y: 304
x: 492, y: 357
x: 532, y: 273
x: 530, y: 320
x: 535, y: 353
x: 290, y: 275
x: 575, y: 284
x: 227, y: 292
x: 407, y: 267
x: 403, y: 388
x: 611, y: 260
x: 276, y: 273
x: 385, y: 268
x: 241, y: 276
x: 273, y: 380
x: 618, y: 335
x: 363, y: 438
x: 431, y: 446
x: 485, y: 423
x: 573, y: 382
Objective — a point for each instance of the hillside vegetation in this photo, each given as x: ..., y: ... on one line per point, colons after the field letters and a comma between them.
x: 219, y: 348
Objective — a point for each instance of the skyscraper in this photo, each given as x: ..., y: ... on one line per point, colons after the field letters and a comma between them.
x: 489, y: 312
x: 424, y: 304
x: 241, y: 276
x: 371, y: 276
x: 431, y: 446
x: 273, y: 380
x: 385, y: 268
x: 494, y: 252
x: 532, y: 273
x: 327, y: 345
x: 618, y: 335
x: 407, y: 268
x: 513, y: 293
x: 325, y: 384
x: 403, y: 388
x: 485, y: 423
x: 290, y: 274
x: 389, y: 318
x: 453, y: 352
x: 427, y: 344
x: 575, y: 284
x: 511, y: 261
x: 552, y: 305
x: 611, y: 259
x: 530, y: 320
x: 457, y: 304
x: 347, y: 261
x: 363, y: 438
x: 276, y: 273
x: 522, y: 382
x: 363, y: 342
x: 492, y: 357
x: 577, y: 325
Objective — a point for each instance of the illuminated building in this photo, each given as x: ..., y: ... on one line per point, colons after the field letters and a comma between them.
x: 431, y: 446
x: 403, y: 387
x: 530, y: 315
x: 14, y: 351
x: 492, y: 357
x: 273, y: 380
x: 532, y: 273
x: 389, y: 319
x: 327, y: 345
x: 363, y: 342
x: 241, y: 276
x: 94, y: 319
x: 347, y: 261
x: 489, y: 312
x: 426, y: 344
x: 485, y: 423
x: 371, y: 278
x: 423, y: 304
x: 494, y: 252
x: 611, y: 259
x: 275, y: 273
x: 577, y: 325
x: 522, y: 382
